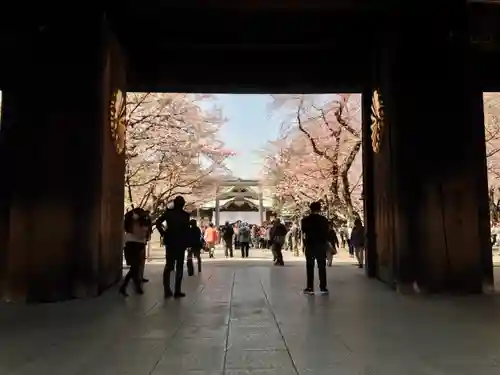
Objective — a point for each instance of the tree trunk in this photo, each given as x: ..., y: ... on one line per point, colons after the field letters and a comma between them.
x: 344, y: 173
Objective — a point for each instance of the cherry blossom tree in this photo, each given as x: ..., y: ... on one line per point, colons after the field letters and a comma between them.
x: 317, y: 157
x: 492, y: 138
x: 317, y: 154
x: 172, y: 148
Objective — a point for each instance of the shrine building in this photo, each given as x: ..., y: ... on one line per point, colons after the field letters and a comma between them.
x: 238, y: 199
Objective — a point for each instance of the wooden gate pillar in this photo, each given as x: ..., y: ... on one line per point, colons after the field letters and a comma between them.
x: 429, y: 182
x: 62, y: 166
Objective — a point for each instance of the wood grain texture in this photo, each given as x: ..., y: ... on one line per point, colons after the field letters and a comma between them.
x: 65, y: 202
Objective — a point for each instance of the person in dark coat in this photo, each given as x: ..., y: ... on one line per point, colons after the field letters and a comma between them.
x: 333, y: 244
x: 149, y: 223
x: 195, y: 246
x: 277, y: 240
x: 244, y: 237
x: 315, y: 229
x: 176, y: 239
x: 358, y: 241
x: 227, y: 238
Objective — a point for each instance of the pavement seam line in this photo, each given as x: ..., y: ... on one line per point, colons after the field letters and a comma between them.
x: 269, y: 306
x: 181, y: 324
x: 226, y: 344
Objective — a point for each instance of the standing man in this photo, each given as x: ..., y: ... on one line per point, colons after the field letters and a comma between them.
x: 315, y: 228
x: 227, y: 238
x: 277, y: 236
x: 176, y: 239
x: 195, y: 245
x: 244, y: 240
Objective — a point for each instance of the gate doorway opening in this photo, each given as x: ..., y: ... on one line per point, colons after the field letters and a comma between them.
x: 491, y: 109
x: 246, y: 157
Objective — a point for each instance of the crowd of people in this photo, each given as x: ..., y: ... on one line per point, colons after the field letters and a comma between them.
x: 315, y: 237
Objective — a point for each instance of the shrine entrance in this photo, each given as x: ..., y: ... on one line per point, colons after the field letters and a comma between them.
x: 426, y: 197
x: 237, y: 199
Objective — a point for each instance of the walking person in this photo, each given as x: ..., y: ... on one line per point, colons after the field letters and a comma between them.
x: 244, y: 240
x: 211, y: 239
x: 262, y: 237
x: 196, y: 244
x: 227, y: 238
x: 277, y: 236
x: 349, y: 243
x: 254, y: 236
x: 295, y: 235
x: 236, y: 237
x: 333, y: 244
x: 343, y: 235
x: 268, y: 236
x: 147, y: 220
x: 315, y: 229
x: 136, y: 234
x: 358, y: 241
x: 176, y: 240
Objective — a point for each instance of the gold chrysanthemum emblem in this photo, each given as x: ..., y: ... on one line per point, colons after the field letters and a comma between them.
x: 377, y: 117
x: 117, y: 120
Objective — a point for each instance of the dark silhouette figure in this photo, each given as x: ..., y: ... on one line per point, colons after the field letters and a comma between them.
x: 147, y: 220
x: 277, y: 239
x: 176, y: 239
x: 358, y: 241
x: 244, y: 237
x: 195, y: 246
x: 334, y: 244
x: 227, y: 237
x: 351, y: 248
x: 316, y: 231
x: 136, y: 227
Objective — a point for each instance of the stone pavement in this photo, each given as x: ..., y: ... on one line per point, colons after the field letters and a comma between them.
x: 246, y: 317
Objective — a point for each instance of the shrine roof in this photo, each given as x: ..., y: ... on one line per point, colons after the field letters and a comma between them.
x: 267, y: 203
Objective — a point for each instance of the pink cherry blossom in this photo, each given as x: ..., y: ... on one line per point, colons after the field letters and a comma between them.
x: 317, y: 156
x: 172, y: 148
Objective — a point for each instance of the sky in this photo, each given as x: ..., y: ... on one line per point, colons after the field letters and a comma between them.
x: 248, y: 128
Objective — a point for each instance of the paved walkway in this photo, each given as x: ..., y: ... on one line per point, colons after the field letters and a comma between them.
x: 249, y: 318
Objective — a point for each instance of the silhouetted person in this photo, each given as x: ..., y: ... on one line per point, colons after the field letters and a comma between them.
x: 358, y: 241
x: 195, y: 246
x: 315, y: 229
x: 176, y: 239
x: 334, y: 244
x: 349, y: 244
x: 227, y: 238
x: 136, y: 234
x: 277, y: 236
x: 295, y: 237
x: 244, y: 237
x: 147, y: 220
x: 236, y: 231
